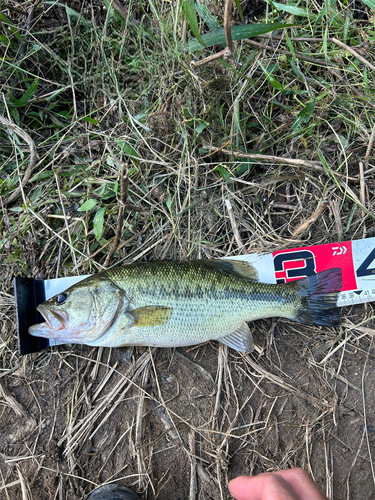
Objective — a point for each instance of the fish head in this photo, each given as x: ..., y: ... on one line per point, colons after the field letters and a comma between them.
x: 82, y: 313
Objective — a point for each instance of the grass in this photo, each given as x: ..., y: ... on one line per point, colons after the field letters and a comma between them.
x: 269, y: 149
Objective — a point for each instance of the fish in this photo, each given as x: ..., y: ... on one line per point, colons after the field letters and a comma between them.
x: 183, y: 303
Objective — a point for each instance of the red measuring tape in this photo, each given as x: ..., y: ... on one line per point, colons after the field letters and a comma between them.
x: 356, y: 259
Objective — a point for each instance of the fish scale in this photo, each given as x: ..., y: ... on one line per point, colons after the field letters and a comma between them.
x: 170, y: 304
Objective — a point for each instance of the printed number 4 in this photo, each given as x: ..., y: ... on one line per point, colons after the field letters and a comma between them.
x: 364, y: 269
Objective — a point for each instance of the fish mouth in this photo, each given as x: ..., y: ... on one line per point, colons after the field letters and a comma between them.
x: 55, y: 319
x: 53, y: 326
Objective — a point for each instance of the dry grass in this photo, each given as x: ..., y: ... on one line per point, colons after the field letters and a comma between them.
x: 269, y: 150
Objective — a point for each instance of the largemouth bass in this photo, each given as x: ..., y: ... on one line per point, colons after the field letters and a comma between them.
x: 171, y: 304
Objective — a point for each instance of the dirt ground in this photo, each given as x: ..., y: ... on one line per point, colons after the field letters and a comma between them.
x: 178, y: 424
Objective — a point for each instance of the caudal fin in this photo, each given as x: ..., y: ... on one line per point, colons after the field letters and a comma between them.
x: 319, y: 293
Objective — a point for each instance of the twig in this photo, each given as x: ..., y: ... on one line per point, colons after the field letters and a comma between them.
x: 139, y: 429
x: 120, y: 8
x: 234, y: 224
x: 362, y: 195
x: 369, y: 147
x: 365, y: 412
x: 126, y: 242
x: 24, y: 491
x: 17, y: 130
x: 228, y: 51
x: 335, y: 206
x: 296, y: 162
x: 22, y: 52
x: 223, y: 53
x: 193, y: 467
x: 285, y: 206
x: 228, y: 26
x: 277, y: 159
x: 124, y: 193
x: 353, y: 52
x: 286, y: 52
x: 65, y: 218
x: 302, y: 227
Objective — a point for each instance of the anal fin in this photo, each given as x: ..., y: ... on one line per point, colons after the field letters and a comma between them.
x: 241, y: 339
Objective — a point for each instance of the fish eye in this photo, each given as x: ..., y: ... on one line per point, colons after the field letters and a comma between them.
x: 61, y: 298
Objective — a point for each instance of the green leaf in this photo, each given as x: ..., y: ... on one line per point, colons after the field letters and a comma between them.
x: 90, y: 120
x: 27, y: 95
x: 4, y: 40
x: 238, y: 33
x: 208, y: 18
x: 343, y: 140
x: 275, y: 83
x: 199, y: 129
x: 304, y: 115
x: 108, y: 5
x: 13, y: 29
x: 239, y: 8
x: 293, y: 9
x: 223, y: 172
x: 169, y: 201
x: 36, y: 194
x: 191, y: 18
x: 128, y: 149
x: 99, y: 223
x: 290, y: 45
x: 369, y: 3
x: 88, y: 205
x: 71, y: 13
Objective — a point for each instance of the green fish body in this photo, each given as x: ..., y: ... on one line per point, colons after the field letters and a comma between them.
x: 171, y: 304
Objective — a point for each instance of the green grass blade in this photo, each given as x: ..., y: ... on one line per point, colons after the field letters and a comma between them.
x: 293, y: 9
x: 370, y: 3
x: 273, y: 81
x: 191, y: 17
x: 304, y: 115
x: 239, y: 8
x: 211, y: 21
x: 12, y: 28
x: 27, y: 95
x: 71, y: 13
x: 238, y: 33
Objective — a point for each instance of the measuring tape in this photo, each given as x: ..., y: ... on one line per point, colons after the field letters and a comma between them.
x: 356, y: 259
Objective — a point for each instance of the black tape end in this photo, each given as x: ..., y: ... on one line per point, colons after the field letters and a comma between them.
x: 29, y: 293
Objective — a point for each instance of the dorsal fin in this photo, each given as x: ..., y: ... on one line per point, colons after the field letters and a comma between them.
x: 239, y: 268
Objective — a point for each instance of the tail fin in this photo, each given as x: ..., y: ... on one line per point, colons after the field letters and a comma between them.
x: 319, y: 294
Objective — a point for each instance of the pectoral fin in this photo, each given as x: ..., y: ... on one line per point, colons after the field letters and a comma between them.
x: 241, y: 339
x: 150, y: 315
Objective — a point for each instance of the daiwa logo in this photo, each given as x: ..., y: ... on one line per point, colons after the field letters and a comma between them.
x: 294, y: 265
x: 341, y: 250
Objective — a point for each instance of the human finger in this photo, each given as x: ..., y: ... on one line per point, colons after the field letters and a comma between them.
x: 302, y: 484
x: 268, y: 486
